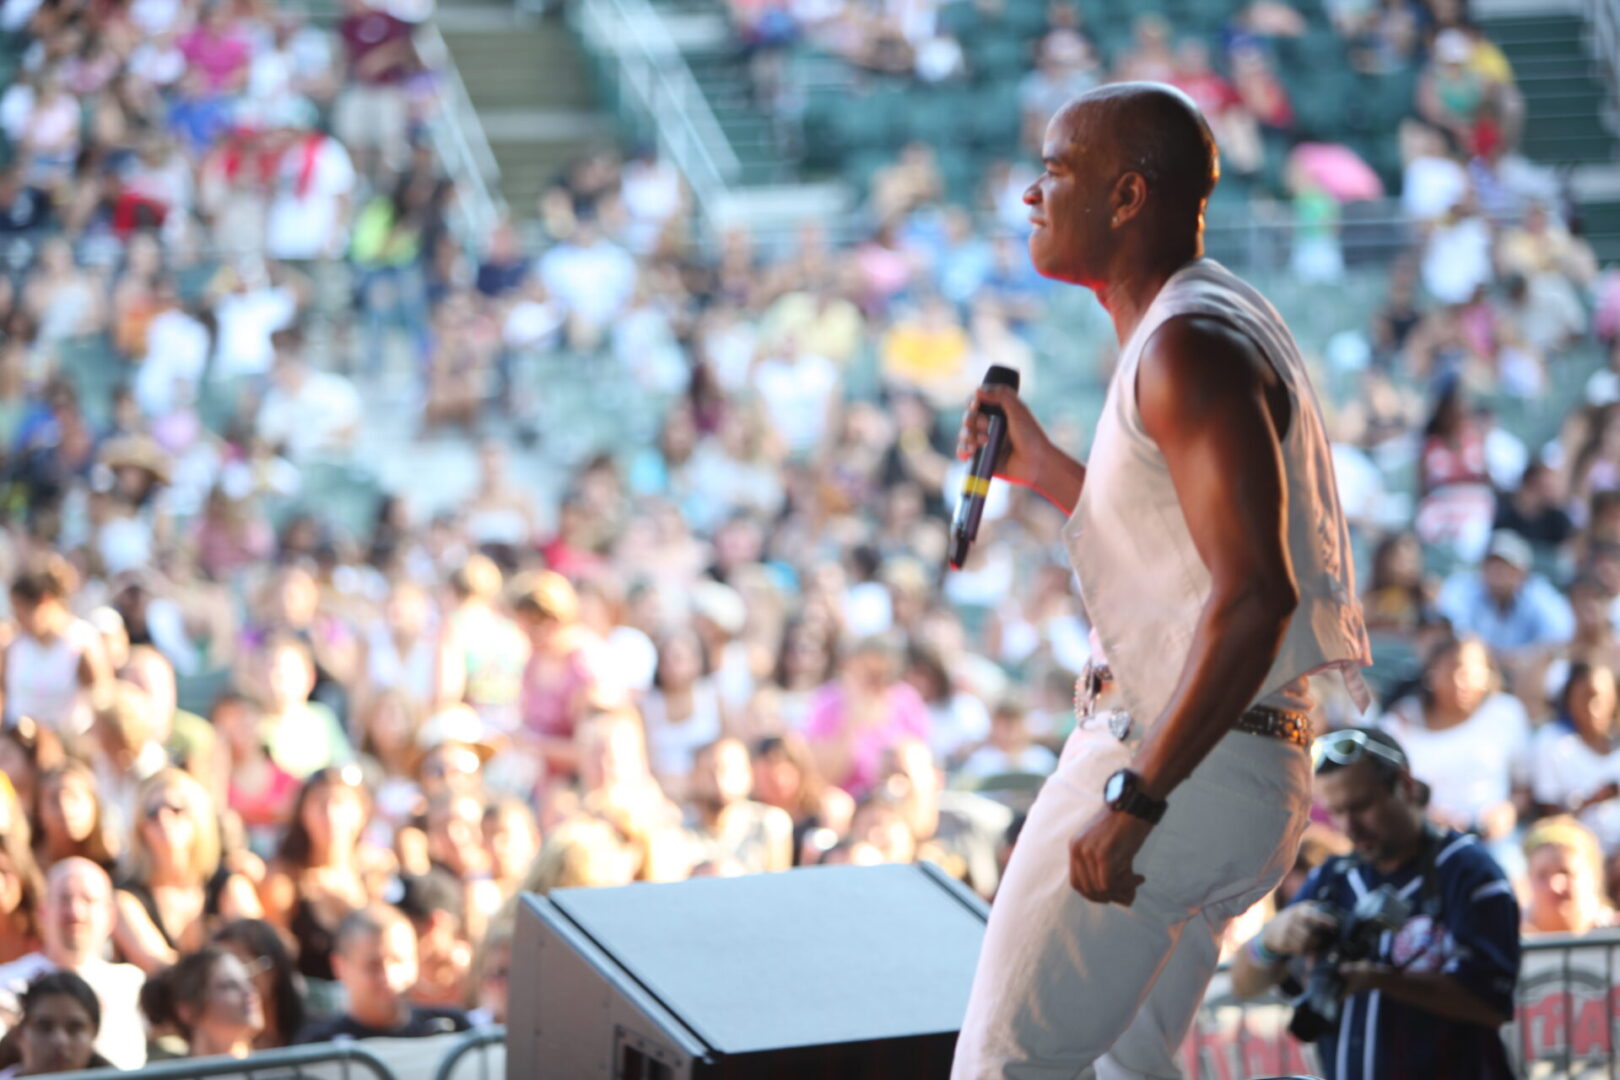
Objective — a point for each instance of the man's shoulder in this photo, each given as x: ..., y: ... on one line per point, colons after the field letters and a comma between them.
x: 24, y: 970
x: 1327, y: 882
x: 1463, y: 863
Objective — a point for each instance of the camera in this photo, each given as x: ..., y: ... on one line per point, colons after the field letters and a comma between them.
x: 1316, y: 1010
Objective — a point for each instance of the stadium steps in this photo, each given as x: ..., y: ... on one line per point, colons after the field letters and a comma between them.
x: 531, y: 86
x: 722, y: 73
x: 1600, y: 223
x: 1564, y: 100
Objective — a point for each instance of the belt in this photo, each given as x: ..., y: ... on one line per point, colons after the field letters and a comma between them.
x: 1265, y: 721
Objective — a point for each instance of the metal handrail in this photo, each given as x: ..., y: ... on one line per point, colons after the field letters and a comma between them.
x: 477, y: 1040
x: 289, y: 1057
x: 459, y: 140
x: 655, y: 78
x: 1604, y: 18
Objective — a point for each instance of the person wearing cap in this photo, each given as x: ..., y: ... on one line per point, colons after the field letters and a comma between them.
x: 1504, y: 602
x: 1430, y: 1002
x: 1451, y: 94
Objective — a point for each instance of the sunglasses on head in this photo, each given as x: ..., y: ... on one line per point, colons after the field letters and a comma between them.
x: 156, y: 811
x: 1349, y: 747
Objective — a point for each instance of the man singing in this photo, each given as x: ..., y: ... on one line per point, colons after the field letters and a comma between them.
x: 1215, y: 564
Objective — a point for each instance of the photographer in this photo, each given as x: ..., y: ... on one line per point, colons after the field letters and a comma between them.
x: 1407, y: 949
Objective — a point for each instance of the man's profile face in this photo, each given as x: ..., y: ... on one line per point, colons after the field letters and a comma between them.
x: 1379, y: 820
x: 1069, y: 202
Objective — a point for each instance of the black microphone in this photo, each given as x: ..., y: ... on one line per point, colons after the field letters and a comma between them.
x: 976, y: 484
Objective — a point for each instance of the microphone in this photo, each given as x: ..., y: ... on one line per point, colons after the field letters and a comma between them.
x: 976, y: 484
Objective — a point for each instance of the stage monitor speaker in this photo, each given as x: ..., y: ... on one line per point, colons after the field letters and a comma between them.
x: 831, y: 973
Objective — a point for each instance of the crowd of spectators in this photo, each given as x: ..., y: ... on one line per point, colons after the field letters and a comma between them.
x: 270, y: 779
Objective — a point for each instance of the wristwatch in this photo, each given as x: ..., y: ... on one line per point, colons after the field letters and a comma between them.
x: 1123, y: 792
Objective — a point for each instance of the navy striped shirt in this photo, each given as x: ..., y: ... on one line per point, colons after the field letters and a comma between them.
x: 1471, y: 935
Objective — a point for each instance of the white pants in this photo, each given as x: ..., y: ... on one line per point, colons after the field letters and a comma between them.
x: 1069, y: 989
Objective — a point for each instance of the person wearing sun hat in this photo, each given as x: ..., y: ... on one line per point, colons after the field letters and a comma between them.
x: 452, y: 750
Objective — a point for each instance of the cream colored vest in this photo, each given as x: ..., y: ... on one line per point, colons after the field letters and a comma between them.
x: 1143, y: 581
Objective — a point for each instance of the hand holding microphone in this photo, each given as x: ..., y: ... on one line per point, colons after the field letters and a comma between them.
x: 1003, y: 439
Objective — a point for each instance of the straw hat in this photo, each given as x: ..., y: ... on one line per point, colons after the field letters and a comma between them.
x: 137, y: 452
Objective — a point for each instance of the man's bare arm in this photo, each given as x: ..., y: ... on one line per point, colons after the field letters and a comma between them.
x: 1203, y: 394
x: 1030, y: 459
x: 1060, y: 479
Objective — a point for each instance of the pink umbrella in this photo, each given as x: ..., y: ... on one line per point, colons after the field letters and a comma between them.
x: 1338, y: 170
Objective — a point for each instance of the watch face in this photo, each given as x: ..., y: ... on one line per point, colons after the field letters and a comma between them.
x: 1114, y: 789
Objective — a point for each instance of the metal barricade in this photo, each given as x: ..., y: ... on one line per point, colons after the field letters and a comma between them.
x: 1566, y: 1011
x: 290, y: 1060
x: 476, y: 1042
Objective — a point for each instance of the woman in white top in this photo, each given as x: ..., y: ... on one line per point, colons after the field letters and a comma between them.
x: 55, y: 666
x: 1467, y: 741
x: 683, y: 712
x: 400, y: 648
x: 1575, y: 764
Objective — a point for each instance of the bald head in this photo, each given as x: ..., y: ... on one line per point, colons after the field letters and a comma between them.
x: 78, y: 916
x: 1154, y: 130
x: 1128, y: 169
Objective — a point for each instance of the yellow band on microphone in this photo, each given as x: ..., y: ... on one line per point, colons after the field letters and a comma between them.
x: 975, y: 485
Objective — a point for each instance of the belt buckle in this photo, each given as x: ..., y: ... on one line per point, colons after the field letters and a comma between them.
x: 1119, y: 724
x: 1088, y: 689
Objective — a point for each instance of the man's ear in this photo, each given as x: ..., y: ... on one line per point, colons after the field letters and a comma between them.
x: 1129, y: 197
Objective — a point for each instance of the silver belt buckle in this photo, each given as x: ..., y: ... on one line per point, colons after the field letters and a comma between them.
x: 1087, y: 689
x: 1119, y: 724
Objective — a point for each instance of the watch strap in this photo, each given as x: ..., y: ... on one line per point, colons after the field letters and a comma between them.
x: 1136, y: 802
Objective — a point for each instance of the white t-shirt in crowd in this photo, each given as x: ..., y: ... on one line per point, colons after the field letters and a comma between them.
x: 304, y: 221
x: 1431, y: 186
x: 868, y: 609
x: 671, y: 747
x: 1361, y: 485
x: 593, y: 282
x: 159, y: 63
x: 989, y: 761
x: 157, y: 16
x: 959, y: 722
x: 122, y: 1038
x: 176, y: 352
x: 1564, y: 770
x: 16, y: 106
x: 797, y: 395
x: 1457, y: 260
x: 532, y: 324
x: 651, y: 192
x: 1473, y: 766
x: 246, y: 321
x: 310, y: 420
x: 624, y: 661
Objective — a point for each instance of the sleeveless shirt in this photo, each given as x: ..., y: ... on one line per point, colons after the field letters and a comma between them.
x: 1144, y: 583
x: 42, y: 681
